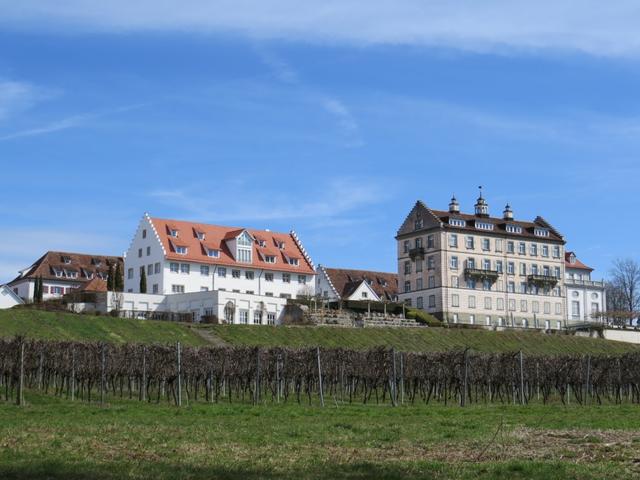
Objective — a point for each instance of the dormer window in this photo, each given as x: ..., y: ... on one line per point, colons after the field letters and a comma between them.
x: 294, y: 261
x: 262, y: 243
x: 87, y: 274
x: 457, y: 222
x: 484, y: 226
x: 180, y: 249
x: 280, y: 245
x: 96, y: 261
x: 514, y: 228
x: 572, y: 258
x: 173, y: 232
x: 270, y: 258
x: 541, y: 232
x: 243, y: 248
x: 200, y: 235
x: 57, y: 271
x: 212, y: 252
x: 71, y: 274
x: 66, y: 260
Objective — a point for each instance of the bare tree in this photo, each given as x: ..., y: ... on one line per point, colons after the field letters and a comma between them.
x: 625, y: 286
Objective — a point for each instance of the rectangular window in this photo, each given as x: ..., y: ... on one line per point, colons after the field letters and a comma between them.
x: 257, y: 317
x: 418, y: 266
x: 244, y: 317
x: 534, y: 269
x: 522, y: 248
x: 453, y: 263
x: 249, y: 275
x: 512, y: 305
x: 57, y: 290
x: 431, y: 282
x: 486, y: 264
x: 498, y: 245
x: 499, y: 266
x: 432, y: 301
x: 547, y: 308
x: 268, y: 277
x: 244, y: 255
x: 523, y: 305
x: 407, y: 286
x: 558, y: 308
x: 148, y: 251
x: 174, y: 267
x: 471, y: 262
x: 455, y: 300
x: 556, y: 272
x: 523, y: 269
x: 486, y: 285
x: 535, y: 307
x: 455, y: 281
x: 510, y: 247
x: 271, y: 318
x: 486, y: 244
x: 511, y: 287
x: 177, y: 288
x: 212, y: 252
x: 500, y: 304
x: 533, y: 250
x: 469, y: 242
x: 286, y: 278
x: 222, y: 272
x: 575, y: 309
x: 487, y: 303
x: 157, y: 267
x: 418, y: 242
x: 406, y: 246
x: 523, y: 287
x: 139, y: 253
x: 204, y: 270
x: 270, y: 259
x: 453, y: 240
x: 150, y: 269
x: 419, y: 302
x: 431, y: 262
x: 471, y: 283
x: 431, y: 241
x: 235, y: 273
x: 302, y: 279
x: 472, y: 301
x: 144, y: 233
x: 556, y: 251
x: 130, y: 273
x: 407, y: 267
x: 545, y: 250
x: 185, y: 268
x: 419, y: 284
x: 511, y: 268
x: 155, y: 288
x: 181, y: 250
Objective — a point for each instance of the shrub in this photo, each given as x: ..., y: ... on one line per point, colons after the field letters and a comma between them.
x: 422, y: 317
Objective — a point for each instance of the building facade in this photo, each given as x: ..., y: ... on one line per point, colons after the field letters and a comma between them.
x: 586, y: 298
x: 239, y: 275
x: 335, y: 284
x: 478, y: 269
x: 61, y: 273
x: 8, y: 298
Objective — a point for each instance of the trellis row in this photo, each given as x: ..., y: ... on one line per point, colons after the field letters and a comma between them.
x: 178, y: 374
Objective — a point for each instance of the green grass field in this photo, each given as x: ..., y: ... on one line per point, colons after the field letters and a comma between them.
x: 68, y: 326
x: 52, y: 438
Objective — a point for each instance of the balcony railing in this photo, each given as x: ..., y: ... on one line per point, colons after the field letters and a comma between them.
x: 543, y: 280
x: 481, y: 274
x: 584, y: 283
x: 416, y: 252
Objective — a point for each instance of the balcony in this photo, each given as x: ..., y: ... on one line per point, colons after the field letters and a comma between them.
x: 543, y: 280
x: 417, y: 252
x: 481, y: 274
x: 583, y: 283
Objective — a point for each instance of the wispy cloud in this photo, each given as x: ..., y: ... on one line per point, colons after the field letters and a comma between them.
x: 282, y: 70
x: 16, y: 96
x: 591, y: 26
x: 346, y: 121
x: 333, y: 203
x: 74, y: 121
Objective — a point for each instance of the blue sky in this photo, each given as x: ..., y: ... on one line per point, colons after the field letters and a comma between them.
x: 331, y: 120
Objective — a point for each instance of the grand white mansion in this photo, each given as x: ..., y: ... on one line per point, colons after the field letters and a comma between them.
x: 238, y: 275
x: 478, y: 269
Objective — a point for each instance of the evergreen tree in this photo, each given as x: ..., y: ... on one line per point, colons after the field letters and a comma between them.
x: 36, y: 287
x: 40, y: 290
x: 119, y: 280
x: 143, y: 282
x: 111, y: 279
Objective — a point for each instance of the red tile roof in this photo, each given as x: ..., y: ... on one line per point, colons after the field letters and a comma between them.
x: 345, y: 281
x: 216, y: 237
x: 94, y: 285
x: 577, y: 265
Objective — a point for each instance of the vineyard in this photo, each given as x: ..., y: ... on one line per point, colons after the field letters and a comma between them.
x: 153, y: 373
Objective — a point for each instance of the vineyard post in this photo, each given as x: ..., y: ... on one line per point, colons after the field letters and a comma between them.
x: 40, y: 370
x: 394, y: 393
x: 463, y: 394
x: 588, y: 380
x: 20, y: 396
x: 143, y: 387
x: 320, y: 377
x: 401, y: 378
x: 521, y: 378
x: 103, y: 379
x: 256, y: 392
x: 73, y: 374
x: 278, y: 378
x: 179, y: 399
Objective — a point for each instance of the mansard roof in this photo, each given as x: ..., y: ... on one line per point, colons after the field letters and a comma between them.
x: 440, y: 219
x: 80, y: 263
x: 216, y: 238
x: 346, y: 281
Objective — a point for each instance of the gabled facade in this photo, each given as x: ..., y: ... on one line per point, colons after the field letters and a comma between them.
x: 8, y: 298
x: 249, y: 273
x: 61, y: 273
x: 478, y: 269
x: 586, y: 298
x: 336, y: 284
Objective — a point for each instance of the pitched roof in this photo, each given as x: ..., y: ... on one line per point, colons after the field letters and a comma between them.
x: 78, y: 262
x: 442, y: 217
x: 216, y: 237
x: 345, y: 281
x: 578, y: 265
x: 94, y: 285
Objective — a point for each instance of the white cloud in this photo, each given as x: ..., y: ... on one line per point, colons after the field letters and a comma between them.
x: 346, y: 121
x: 333, y: 203
x: 17, y: 96
x: 592, y: 26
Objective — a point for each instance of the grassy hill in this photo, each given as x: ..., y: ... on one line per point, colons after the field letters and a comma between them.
x: 68, y: 326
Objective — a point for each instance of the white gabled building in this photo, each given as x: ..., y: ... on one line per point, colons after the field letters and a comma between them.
x: 240, y: 275
x: 335, y: 284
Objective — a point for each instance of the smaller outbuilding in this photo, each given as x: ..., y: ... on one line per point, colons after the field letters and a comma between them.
x: 9, y: 298
x: 341, y: 284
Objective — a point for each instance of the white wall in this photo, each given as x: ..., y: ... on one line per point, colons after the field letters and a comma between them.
x: 323, y: 288
x: 363, y: 288
x: 7, y: 298
x: 26, y: 288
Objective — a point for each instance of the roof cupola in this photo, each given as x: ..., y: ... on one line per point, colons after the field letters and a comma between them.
x: 482, y: 207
